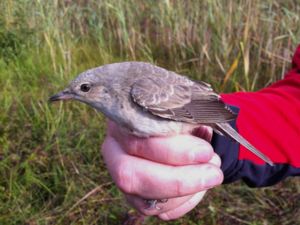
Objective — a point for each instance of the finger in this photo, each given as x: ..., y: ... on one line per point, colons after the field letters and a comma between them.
x: 203, y: 132
x: 170, y: 207
x: 184, y: 208
x: 171, y: 204
x: 215, y: 160
x: 175, y: 150
x: 153, y: 180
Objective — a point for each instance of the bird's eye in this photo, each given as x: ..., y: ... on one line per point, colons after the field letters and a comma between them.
x: 85, y: 87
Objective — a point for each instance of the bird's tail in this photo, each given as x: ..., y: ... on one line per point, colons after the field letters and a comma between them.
x: 227, y: 130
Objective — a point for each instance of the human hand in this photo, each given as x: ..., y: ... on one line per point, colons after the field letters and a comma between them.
x: 179, y: 168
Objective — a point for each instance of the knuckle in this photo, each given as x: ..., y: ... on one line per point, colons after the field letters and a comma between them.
x: 124, y: 177
x: 180, y: 187
x: 135, y: 145
x: 140, y: 144
x: 190, y: 156
x: 138, y: 203
x: 147, y: 212
x: 215, y: 160
x: 214, y: 177
x: 210, y: 150
x: 221, y: 177
x: 206, y: 149
x: 185, y: 185
x: 165, y: 216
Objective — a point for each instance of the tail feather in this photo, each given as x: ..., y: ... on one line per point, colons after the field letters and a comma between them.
x: 227, y: 130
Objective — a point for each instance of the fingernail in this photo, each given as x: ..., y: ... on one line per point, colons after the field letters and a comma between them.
x: 164, y: 216
x: 199, y: 153
x: 214, y: 177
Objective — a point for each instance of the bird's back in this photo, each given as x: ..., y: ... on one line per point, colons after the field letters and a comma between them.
x: 127, y: 113
x: 153, y: 101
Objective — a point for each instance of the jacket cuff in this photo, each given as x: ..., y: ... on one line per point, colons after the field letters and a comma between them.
x: 254, y: 175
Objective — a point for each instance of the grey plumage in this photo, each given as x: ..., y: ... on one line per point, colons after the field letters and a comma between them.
x: 148, y: 100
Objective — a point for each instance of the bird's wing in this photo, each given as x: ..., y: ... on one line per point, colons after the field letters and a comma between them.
x: 178, y: 98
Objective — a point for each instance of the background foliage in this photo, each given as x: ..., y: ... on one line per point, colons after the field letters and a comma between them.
x: 50, y: 167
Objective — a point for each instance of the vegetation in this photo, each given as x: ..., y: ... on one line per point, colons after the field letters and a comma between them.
x: 51, y: 171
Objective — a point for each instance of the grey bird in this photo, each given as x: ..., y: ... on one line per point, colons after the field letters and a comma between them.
x: 147, y: 100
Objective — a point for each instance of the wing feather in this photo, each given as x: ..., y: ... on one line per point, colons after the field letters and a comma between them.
x: 177, y: 98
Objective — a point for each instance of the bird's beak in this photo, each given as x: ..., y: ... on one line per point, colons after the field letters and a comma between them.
x: 63, y: 95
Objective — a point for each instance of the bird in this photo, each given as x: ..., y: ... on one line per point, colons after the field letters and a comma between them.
x: 146, y: 100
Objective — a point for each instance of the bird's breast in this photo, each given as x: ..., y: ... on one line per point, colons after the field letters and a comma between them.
x: 142, y: 123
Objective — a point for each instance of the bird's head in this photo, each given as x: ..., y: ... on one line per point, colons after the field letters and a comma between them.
x: 91, y: 87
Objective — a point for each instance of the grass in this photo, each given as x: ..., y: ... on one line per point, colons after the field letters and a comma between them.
x: 49, y: 155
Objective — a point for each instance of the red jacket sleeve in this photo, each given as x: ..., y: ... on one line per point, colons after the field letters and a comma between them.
x: 270, y: 120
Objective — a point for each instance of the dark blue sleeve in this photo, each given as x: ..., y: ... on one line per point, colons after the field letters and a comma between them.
x: 254, y: 175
